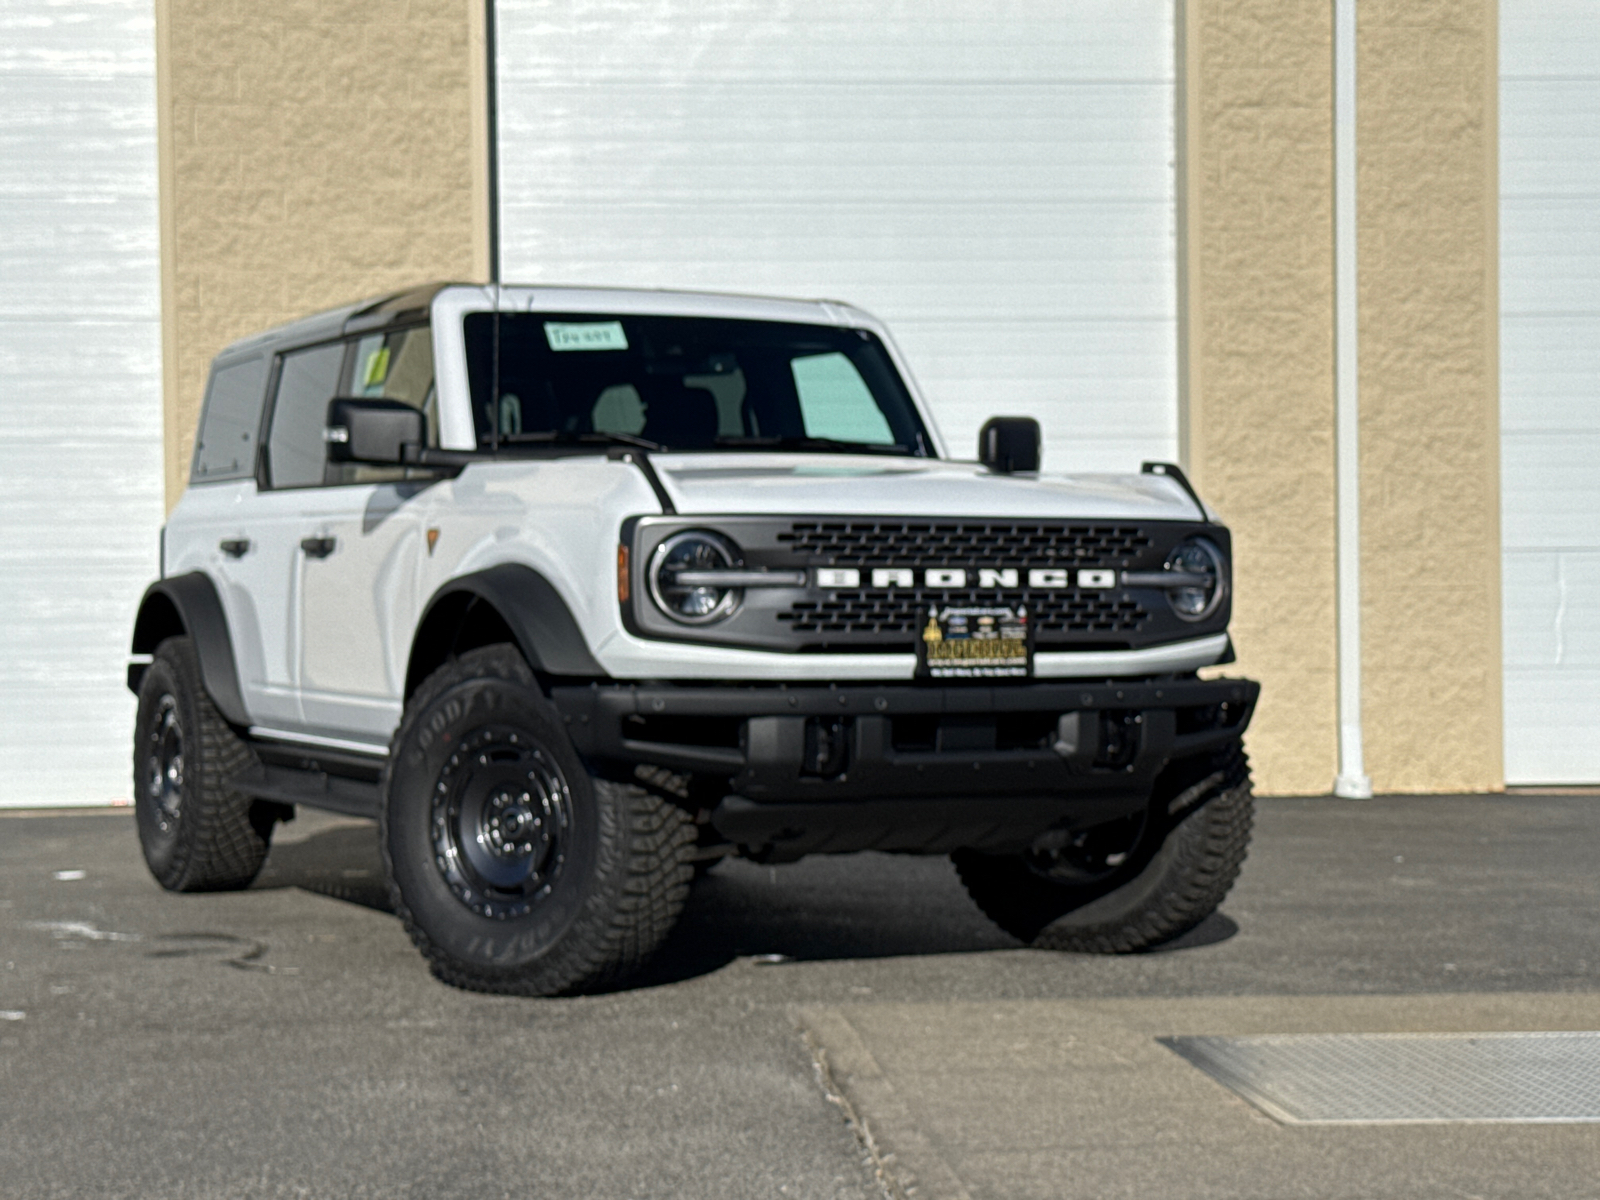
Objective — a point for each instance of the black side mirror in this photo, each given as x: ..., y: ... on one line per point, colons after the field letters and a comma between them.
x: 372, y: 431
x: 1007, y: 444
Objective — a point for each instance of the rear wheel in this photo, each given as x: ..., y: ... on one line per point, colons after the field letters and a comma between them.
x: 1128, y: 885
x: 513, y: 868
x: 197, y: 833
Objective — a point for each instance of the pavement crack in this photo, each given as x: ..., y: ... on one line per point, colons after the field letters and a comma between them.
x: 881, y: 1162
x: 241, y: 953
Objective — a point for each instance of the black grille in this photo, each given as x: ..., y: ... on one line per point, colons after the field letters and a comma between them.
x: 901, y: 614
x: 965, y: 543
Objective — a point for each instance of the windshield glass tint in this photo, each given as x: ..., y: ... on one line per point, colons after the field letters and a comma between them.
x: 686, y: 383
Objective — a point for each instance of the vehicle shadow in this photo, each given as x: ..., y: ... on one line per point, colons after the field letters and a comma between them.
x: 339, y: 859
x: 851, y: 907
x: 854, y: 906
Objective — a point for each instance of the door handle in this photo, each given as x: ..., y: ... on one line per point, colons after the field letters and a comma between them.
x: 318, y: 547
x: 235, y: 547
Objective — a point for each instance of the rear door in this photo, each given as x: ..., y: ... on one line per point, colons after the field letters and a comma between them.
x: 227, y: 527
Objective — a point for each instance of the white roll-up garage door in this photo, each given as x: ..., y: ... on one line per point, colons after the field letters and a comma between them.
x: 1550, y: 387
x: 80, y: 389
x: 995, y: 181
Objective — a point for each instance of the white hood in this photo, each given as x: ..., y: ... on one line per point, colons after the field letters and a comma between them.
x: 859, y: 485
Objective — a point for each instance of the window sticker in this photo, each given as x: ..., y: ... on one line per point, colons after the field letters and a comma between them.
x: 835, y: 401
x: 591, y: 335
x: 377, y: 367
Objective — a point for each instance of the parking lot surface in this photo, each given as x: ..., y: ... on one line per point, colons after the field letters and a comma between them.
x: 288, y: 1041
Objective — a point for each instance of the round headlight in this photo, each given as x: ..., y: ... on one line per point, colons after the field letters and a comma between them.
x: 1206, y: 582
x: 687, y: 554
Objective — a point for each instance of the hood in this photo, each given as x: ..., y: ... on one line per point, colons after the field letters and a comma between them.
x: 859, y: 485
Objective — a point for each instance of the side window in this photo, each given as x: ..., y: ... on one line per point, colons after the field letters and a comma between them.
x: 835, y: 401
x: 225, y: 446
x: 391, y: 366
x: 307, y: 380
x: 398, y: 366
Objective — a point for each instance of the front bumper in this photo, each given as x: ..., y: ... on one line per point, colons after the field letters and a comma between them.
x: 1029, y: 755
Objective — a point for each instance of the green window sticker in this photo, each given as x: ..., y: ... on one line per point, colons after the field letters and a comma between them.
x: 590, y: 335
x: 377, y: 368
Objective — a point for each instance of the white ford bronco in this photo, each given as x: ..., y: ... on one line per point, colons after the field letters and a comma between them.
x: 577, y: 591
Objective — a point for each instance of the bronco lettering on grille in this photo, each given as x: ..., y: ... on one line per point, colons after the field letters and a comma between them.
x: 945, y: 578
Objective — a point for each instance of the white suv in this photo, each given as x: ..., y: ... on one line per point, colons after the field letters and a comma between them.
x: 577, y: 591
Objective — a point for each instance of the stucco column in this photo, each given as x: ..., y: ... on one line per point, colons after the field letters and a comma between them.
x: 1256, y: 239
x: 312, y: 154
x: 1430, y: 436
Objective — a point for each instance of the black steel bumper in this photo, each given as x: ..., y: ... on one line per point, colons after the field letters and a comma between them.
x: 904, y: 759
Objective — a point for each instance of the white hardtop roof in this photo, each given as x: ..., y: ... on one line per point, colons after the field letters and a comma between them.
x: 513, y: 297
x: 650, y: 302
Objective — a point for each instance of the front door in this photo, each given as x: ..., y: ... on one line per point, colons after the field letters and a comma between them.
x: 356, y: 566
x: 357, y: 588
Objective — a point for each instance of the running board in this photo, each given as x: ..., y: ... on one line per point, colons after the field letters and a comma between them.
x: 318, y: 789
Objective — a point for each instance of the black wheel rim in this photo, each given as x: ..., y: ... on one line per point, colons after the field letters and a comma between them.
x: 163, y: 765
x: 501, y: 822
x: 1084, y: 857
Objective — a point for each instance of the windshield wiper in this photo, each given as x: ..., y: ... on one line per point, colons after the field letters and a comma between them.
x: 812, y: 443
x: 555, y: 437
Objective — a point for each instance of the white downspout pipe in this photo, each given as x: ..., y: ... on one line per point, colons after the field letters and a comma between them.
x: 1353, y: 782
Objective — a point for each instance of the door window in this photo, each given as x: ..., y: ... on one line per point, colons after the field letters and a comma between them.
x: 307, y: 380
x: 392, y: 366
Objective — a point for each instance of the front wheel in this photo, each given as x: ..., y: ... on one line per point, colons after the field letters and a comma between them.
x: 513, y: 868
x: 1128, y: 886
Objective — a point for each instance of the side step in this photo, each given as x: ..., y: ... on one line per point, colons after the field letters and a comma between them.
x: 339, y: 782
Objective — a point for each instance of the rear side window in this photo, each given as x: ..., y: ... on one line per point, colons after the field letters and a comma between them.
x: 307, y: 381
x: 225, y: 447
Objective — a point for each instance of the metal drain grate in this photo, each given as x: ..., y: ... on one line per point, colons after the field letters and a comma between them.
x: 1407, y: 1078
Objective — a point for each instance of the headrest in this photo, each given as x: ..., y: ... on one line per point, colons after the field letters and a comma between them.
x: 681, y: 418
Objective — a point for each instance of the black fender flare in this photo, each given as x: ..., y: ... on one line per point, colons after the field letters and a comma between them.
x: 544, y: 628
x: 189, y: 604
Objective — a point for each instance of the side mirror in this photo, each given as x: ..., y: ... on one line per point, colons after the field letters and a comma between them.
x: 372, y: 431
x: 1007, y: 444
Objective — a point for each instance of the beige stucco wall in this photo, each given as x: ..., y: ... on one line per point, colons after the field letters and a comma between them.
x: 312, y: 153
x: 1430, y: 451
x: 1257, y: 243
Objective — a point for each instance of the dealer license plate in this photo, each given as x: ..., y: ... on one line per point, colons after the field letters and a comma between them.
x: 976, y: 643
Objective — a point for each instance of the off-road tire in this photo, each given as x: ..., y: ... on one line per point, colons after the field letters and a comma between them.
x: 213, y: 838
x: 1175, y: 882
x: 624, y: 873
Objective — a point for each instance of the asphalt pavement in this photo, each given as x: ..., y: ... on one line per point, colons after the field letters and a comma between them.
x: 288, y: 1041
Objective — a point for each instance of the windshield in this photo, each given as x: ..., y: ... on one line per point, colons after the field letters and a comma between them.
x: 686, y: 383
